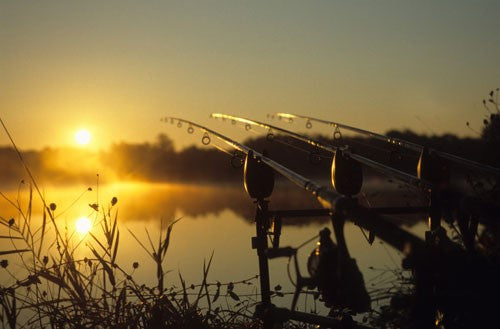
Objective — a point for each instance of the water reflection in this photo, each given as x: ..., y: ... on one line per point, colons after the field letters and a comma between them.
x: 150, y: 202
x: 214, y: 219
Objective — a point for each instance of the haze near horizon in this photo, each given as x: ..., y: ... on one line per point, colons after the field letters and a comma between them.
x: 115, y: 68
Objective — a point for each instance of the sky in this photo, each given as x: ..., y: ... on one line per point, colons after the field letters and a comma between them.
x: 117, y: 67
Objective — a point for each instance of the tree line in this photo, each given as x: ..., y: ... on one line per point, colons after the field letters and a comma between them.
x: 158, y: 161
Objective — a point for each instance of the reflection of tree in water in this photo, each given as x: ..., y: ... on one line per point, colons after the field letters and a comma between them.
x: 167, y: 201
x: 147, y: 201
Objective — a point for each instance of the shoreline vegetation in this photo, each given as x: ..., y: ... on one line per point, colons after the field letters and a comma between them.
x: 54, y: 284
x: 55, y: 280
x: 51, y: 278
x: 158, y: 161
x: 60, y: 282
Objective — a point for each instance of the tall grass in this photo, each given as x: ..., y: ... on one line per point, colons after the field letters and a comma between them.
x: 52, y: 280
x: 54, y: 285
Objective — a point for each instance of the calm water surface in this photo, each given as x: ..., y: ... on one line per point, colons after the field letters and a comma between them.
x: 213, y: 219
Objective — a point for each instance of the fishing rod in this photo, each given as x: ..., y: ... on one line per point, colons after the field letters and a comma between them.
x: 339, y: 208
x: 433, y: 170
x: 322, y: 194
x: 386, y: 170
x: 423, y: 258
x: 327, y: 198
x: 347, y: 178
x: 396, y: 141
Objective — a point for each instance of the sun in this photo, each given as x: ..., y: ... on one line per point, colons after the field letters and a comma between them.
x: 82, y: 137
x: 83, y: 225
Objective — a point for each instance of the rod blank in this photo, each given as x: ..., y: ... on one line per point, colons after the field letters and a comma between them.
x: 400, y: 142
x: 386, y: 170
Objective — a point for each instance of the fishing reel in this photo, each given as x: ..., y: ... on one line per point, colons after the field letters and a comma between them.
x: 313, y: 266
x: 337, y: 278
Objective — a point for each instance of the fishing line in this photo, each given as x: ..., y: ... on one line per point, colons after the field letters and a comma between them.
x: 220, y: 148
x: 386, y: 170
x: 325, y: 195
x: 403, y: 143
x: 206, y: 140
x: 307, y: 242
x: 353, y: 140
x: 298, y: 148
x: 271, y: 136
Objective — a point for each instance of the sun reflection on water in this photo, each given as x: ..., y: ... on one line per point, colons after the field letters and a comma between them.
x: 83, y: 225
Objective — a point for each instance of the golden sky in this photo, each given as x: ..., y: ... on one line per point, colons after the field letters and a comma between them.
x: 117, y: 67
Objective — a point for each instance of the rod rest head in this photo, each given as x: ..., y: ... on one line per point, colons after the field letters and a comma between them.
x: 432, y: 168
x: 347, y: 175
x: 258, y: 177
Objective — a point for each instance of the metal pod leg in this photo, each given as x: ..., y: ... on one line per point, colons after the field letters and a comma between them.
x: 259, y: 242
x: 435, y: 210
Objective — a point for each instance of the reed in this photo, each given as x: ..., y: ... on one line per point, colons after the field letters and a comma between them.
x: 50, y: 279
x: 51, y: 286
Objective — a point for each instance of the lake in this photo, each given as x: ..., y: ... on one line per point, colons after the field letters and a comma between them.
x: 213, y: 219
